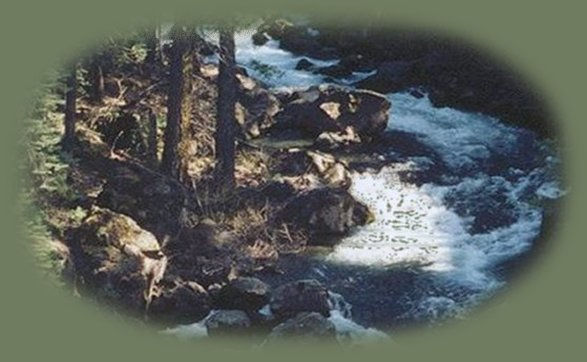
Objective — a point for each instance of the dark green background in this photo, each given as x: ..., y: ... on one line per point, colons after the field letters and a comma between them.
x: 542, y: 315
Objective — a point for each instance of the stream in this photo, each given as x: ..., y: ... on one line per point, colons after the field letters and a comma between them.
x: 437, y: 247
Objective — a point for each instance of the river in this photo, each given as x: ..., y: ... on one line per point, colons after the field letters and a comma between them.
x: 437, y: 247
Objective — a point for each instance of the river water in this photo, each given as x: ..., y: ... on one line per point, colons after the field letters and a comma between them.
x: 436, y: 247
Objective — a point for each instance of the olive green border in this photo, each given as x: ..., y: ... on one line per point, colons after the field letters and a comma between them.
x: 541, y: 317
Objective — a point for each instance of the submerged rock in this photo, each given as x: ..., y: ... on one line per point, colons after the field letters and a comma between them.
x: 305, y: 325
x: 300, y: 296
x: 305, y: 64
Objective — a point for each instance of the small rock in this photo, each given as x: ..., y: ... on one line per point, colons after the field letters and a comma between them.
x: 183, y: 303
x: 305, y: 325
x: 260, y: 38
x: 300, y: 296
x: 304, y: 64
x: 244, y: 293
x: 225, y: 322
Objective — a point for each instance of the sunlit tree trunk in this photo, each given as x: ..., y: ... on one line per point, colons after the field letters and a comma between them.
x: 225, y: 126
x: 152, y: 138
x: 97, y: 79
x: 70, y: 109
x: 174, y: 160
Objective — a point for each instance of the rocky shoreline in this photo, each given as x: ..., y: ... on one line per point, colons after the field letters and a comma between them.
x: 149, y: 244
x: 195, y: 262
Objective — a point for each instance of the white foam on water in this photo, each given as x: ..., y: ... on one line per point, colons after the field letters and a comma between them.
x: 414, y: 225
x: 462, y: 139
x: 282, y: 75
x: 196, y: 330
x: 347, y: 330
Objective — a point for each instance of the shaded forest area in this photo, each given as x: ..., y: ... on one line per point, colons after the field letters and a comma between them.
x: 144, y: 192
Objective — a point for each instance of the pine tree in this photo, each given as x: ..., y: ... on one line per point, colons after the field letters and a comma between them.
x: 173, y: 162
x: 225, y: 126
x: 70, y: 109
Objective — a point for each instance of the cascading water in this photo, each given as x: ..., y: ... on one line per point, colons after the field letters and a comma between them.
x: 434, y: 247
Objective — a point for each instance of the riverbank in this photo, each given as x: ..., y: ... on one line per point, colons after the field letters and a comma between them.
x: 414, y: 208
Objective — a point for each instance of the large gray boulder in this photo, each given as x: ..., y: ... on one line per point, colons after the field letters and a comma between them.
x: 331, y: 108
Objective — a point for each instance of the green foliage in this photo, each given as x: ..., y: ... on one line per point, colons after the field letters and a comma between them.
x: 45, y: 189
x: 46, y: 165
x: 43, y: 246
x: 134, y: 54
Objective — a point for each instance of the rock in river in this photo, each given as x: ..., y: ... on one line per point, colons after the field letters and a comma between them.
x: 300, y: 296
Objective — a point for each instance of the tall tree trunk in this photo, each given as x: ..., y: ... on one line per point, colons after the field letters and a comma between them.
x: 97, y: 75
x: 174, y: 160
x: 70, y: 109
x: 152, y: 42
x: 159, y: 37
x: 152, y: 138
x: 225, y: 123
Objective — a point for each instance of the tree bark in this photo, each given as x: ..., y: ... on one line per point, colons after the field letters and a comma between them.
x: 70, y: 109
x: 225, y: 123
x: 173, y: 162
x: 97, y: 75
x: 152, y: 138
x: 152, y: 42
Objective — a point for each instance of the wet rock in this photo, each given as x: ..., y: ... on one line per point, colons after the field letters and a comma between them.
x: 305, y: 64
x: 392, y: 77
x: 180, y: 303
x: 260, y: 38
x: 304, y: 325
x: 244, y: 293
x: 336, y: 70
x: 300, y: 296
x: 357, y: 63
x: 116, y: 260
x: 333, y: 109
x: 326, y: 212
x: 226, y: 322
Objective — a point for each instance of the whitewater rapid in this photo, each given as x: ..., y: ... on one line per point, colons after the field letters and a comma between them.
x: 483, y: 208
